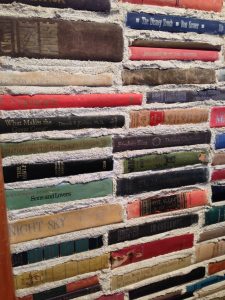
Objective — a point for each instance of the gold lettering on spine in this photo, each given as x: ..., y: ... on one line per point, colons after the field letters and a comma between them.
x: 6, y: 37
x: 49, y: 38
x: 21, y: 172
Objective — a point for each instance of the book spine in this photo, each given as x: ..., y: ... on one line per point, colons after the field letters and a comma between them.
x: 118, y: 296
x: 212, y: 234
x: 7, y: 288
x: 218, y: 159
x: 79, y: 293
x: 204, y: 283
x: 22, y: 198
x: 218, y: 175
x: 185, y: 96
x: 148, y: 250
x: 52, y: 225
x: 160, y: 141
x: 217, y: 117
x: 147, y: 183
x: 98, y: 5
x: 215, y: 267
x: 43, y: 146
x: 215, y: 215
x: 209, y: 5
x: 168, y: 282
x: 23, y: 172
x: 218, y: 193
x: 58, y: 39
x: 60, y: 123
x: 149, y: 229
x: 164, y: 161
x: 83, y: 283
x: 144, y: 53
x: 220, y: 141
x: 168, y: 76
x: 23, y: 102
x: 144, y: 21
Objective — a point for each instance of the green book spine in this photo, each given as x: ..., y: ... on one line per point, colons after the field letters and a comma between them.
x: 22, y: 198
x: 164, y: 161
x: 43, y: 146
x: 215, y: 215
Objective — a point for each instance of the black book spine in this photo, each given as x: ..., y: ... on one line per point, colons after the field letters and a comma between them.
x: 160, y: 141
x: 154, y: 182
x: 19, y: 259
x: 24, y: 172
x: 148, y: 229
x: 96, y: 5
x: 167, y: 283
x: 218, y: 193
x: 10, y: 125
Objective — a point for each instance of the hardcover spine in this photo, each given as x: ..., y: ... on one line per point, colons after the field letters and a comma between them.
x: 7, y: 288
x: 23, y: 172
x: 144, y: 21
x: 144, y: 53
x: 217, y: 117
x: 24, y: 102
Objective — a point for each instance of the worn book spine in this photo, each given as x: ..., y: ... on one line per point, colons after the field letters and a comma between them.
x: 22, y: 198
x: 207, y: 251
x: 22, y: 172
x: 119, y: 281
x: 220, y: 141
x: 165, y: 161
x: 218, y: 159
x: 217, y: 117
x: 148, y: 250
x: 218, y: 193
x: 97, y: 5
x: 69, y: 122
x: 218, y: 175
x: 210, y: 234
x: 215, y: 267
x: 154, y: 182
x: 148, y: 229
x: 51, y: 225
x: 204, y: 282
x: 23, y: 102
x: 174, y: 202
x: 167, y: 283
x: 193, y: 45
x: 168, y: 76
x: 144, y: 53
x: 158, y: 22
x: 48, y: 145
x: 7, y: 289
x: 51, y: 38
x: 160, y: 141
x: 215, y: 215
x: 61, y: 271
x: 118, y: 296
x: 209, y: 5
x: 171, y: 96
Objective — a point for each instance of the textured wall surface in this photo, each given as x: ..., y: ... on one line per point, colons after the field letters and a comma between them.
x: 156, y: 223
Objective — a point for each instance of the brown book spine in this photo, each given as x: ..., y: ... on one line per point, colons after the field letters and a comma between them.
x: 6, y: 283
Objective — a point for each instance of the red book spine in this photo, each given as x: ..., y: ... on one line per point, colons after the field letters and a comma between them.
x: 207, y: 5
x: 81, y: 284
x: 218, y: 175
x: 217, y: 117
x: 119, y: 296
x: 23, y: 102
x: 145, y: 53
x: 7, y: 289
x: 148, y: 250
x: 157, y: 117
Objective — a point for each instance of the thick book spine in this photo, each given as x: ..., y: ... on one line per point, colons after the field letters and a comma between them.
x: 154, y: 182
x: 218, y: 175
x: 172, y: 96
x: 168, y: 283
x: 148, y: 250
x: 164, y: 161
x: 144, y: 53
x: 209, y: 5
x: 7, y: 290
x: 218, y: 159
x: 60, y: 123
x: 143, y: 118
x: 168, y: 76
x: 212, y: 234
x: 218, y: 193
x: 149, y: 229
x: 23, y: 102
x: 97, y: 5
x: 215, y: 215
x: 48, y: 38
x: 158, y: 22
x: 160, y: 141
x: 22, y: 172
x: 220, y: 141
x: 217, y: 117
x: 173, y: 202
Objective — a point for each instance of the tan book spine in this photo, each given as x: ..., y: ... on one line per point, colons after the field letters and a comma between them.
x: 51, y: 225
x: 185, y: 116
x: 218, y: 159
x: 139, y: 118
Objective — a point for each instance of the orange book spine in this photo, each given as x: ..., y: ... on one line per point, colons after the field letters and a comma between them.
x: 7, y: 289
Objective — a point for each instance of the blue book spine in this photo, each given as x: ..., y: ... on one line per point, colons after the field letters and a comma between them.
x: 220, y: 141
x: 158, y: 22
x: 205, y: 282
x: 218, y: 193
